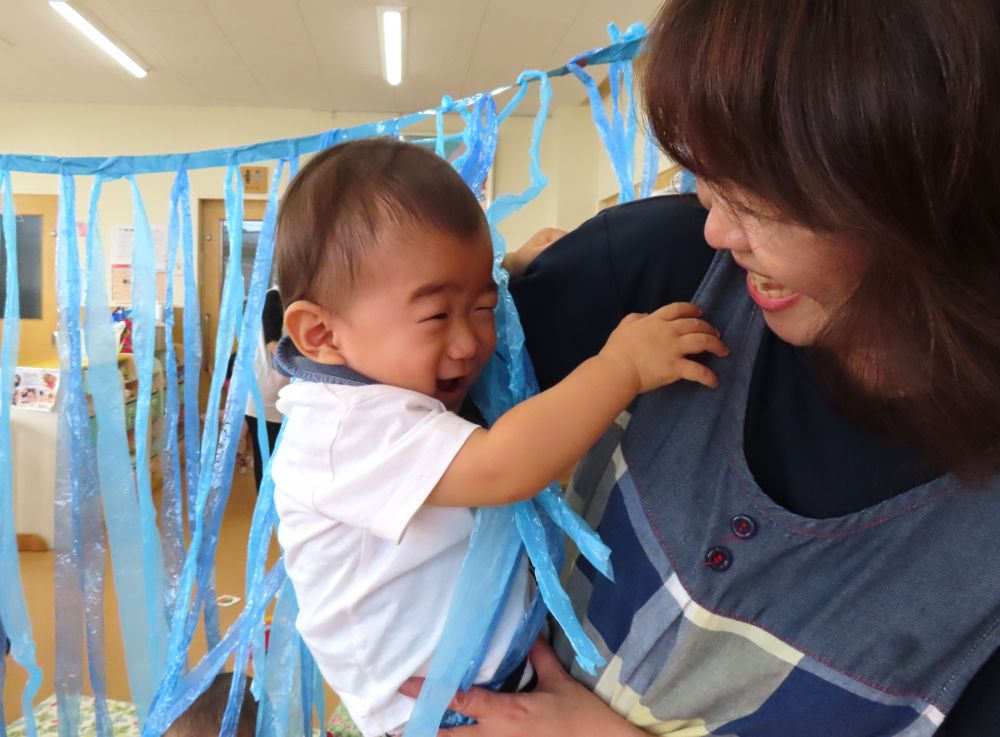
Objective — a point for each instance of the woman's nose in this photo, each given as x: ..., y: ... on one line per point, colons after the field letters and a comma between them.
x: 723, y: 230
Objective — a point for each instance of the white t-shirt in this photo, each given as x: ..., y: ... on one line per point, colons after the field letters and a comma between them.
x: 269, y: 381
x: 374, y: 570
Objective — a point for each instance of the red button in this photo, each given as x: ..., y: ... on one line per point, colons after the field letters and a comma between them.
x: 743, y: 526
x: 719, y: 558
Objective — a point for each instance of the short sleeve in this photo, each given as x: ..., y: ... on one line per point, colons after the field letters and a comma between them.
x: 631, y: 258
x: 390, y: 450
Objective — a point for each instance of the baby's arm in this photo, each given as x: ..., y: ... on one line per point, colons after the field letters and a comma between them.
x: 531, y: 443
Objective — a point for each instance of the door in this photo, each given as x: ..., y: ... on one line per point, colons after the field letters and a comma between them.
x: 36, y: 269
x: 212, y: 261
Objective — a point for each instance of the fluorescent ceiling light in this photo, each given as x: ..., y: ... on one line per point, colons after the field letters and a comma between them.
x: 107, y: 46
x: 391, y: 22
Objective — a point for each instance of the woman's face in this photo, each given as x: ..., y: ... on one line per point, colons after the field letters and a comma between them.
x: 797, y: 277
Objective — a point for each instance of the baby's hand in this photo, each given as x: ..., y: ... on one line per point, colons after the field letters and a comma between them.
x: 655, y: 347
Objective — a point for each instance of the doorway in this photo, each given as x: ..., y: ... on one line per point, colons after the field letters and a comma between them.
x: 213, y: 257
x: 36, y: 271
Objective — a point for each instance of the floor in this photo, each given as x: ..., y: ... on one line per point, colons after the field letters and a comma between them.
x: 37, y: 577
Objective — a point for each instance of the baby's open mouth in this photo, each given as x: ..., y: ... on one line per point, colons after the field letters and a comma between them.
x: 447, y: 386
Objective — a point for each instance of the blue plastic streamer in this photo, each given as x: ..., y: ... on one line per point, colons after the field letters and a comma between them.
x: 216, y: 481
x: 236, y: 399
x: 185, y: 614
x: 688, y: 182
x: 13, y: 610
x: 625, y: 124
x: 282, y: 698
x: 167, y: 706
x: 242, y: 380
x: 91, y: 519
x: 494, y: 549
x: 613, y: 134
x: 172, y: 506
x: 3, y: 679
x: 114, y: 465
x: 73, y: 471
x: 192, y: 347
x: 224, y: 452
x: 143, y: 345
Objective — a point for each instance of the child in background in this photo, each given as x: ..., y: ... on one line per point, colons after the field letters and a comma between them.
x: 204, y: 717
x: 385, y: 267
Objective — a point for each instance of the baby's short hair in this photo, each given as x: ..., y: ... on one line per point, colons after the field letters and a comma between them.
x: 350, y: 199
x: 204, y: 717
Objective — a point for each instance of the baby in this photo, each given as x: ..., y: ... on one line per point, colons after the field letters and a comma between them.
x: 385, y: 266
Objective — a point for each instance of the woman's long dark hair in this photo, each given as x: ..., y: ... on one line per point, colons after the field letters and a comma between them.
x: 878, y: 121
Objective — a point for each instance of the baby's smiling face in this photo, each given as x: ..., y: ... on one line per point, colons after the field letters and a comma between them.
x: 422, y: 315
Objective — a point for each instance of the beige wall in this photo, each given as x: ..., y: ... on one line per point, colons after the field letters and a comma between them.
x: 571, y: 155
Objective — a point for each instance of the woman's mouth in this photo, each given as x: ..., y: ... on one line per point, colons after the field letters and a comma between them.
x: 769, y: 294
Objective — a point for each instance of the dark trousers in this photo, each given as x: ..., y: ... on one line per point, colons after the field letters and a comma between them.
x: 272, y: 437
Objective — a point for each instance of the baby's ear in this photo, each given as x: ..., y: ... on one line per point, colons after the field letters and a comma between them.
x: 313, y: 330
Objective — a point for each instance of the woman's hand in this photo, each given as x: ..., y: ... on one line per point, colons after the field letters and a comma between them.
x: 517, y: 261
x: 559, y: 706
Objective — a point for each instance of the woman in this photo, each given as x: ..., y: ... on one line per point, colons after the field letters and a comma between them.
x: 808, y: 550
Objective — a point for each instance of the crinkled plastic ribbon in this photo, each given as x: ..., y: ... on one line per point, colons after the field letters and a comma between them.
x: 617, y: 136
x: 118, y: 491
x: 499, y: 533
x: 143, y: 345
x: 13, y: 610
x: 79, y: 554
x: 192, y: 346
x: 184, y: 617
x: 172, y: 499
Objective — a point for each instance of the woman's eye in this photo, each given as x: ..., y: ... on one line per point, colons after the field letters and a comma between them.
x: 438, y: 316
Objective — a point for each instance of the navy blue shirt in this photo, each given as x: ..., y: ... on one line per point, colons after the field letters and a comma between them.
x: 803, y: 451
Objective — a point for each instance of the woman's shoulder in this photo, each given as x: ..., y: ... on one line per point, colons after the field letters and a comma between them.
x: 633, y: 257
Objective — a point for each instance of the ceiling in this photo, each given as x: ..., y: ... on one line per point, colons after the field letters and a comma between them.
x: 312, y: 54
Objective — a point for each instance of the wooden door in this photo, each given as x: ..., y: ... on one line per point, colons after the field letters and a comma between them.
x: 36, y: 245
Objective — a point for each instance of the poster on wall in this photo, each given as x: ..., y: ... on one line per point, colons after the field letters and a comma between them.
x: 123, y: 240
x: 35, y: 388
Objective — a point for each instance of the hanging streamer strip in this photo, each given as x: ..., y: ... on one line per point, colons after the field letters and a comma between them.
x: 91, y: 515
x: 192, y: 345
x: 114, y: 465
x: 625, y: 124
x: 76, y: 481
x: 213, y: 492
x: 168, y: 706
x: 13, y: 610
x: 143, y: 345
x: 616, y: 136
x: 243, y: 378
x: 499, y: 532
x: 185, y: 614
x: 172, y: 505
x: 281, y: 703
